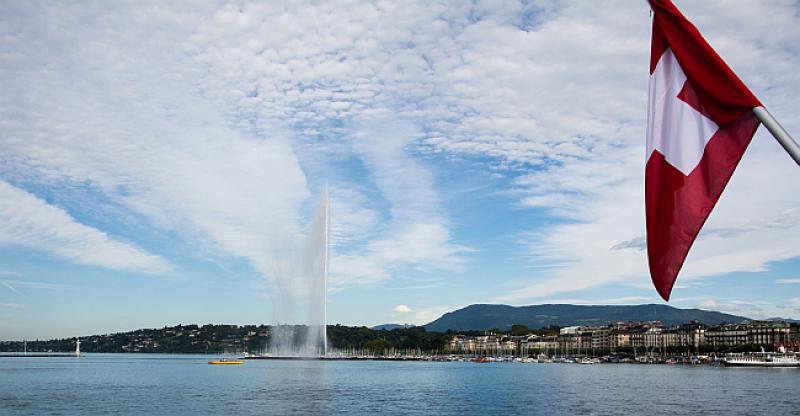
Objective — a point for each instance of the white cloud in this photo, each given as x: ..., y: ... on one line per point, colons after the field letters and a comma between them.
x: 416, y: 233
x: 708, y: 304
x: 599, y: 194
x: 211, y: 121
x: 624, y: 300
x: 788, y: 281
x: 402, y: 309
x: 124, y: 118
x: 180, y: 122
x: 30, y: 222
x: 26, y: 284
x: 752, y: 309
x: 424, y: 316
x: 352, y: 219
x: 15, y: 285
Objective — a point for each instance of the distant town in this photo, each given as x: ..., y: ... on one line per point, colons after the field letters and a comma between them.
x: 624, y: 339
x: 634, y: 338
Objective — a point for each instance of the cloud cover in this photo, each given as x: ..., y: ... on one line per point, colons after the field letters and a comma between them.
x: 219, y: 121
x: 27, y: 221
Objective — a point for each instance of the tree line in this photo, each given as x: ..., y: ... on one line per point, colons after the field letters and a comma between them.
x: 212, y: 338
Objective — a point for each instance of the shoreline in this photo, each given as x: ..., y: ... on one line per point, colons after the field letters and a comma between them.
x: 581, y: 360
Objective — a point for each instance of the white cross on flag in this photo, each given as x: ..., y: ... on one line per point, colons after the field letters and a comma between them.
x: 700, y: 122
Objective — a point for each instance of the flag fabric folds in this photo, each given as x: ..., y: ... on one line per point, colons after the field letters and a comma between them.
x: 700, y: 122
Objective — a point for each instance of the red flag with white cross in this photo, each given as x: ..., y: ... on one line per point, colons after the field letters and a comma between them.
x: 700, y: 122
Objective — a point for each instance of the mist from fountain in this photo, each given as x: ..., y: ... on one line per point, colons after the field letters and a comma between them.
x: 303, y: 284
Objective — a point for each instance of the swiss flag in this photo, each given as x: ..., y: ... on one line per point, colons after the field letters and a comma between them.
x: 700, y: 122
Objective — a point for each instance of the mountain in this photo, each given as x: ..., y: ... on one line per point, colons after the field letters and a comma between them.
x: 481, y: 317
x: 389, y: 327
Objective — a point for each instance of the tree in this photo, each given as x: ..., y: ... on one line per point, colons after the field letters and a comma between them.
x: 519, y: 330
x: 377, y: 345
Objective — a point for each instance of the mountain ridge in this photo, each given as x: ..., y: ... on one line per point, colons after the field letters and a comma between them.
x: 488, y: 316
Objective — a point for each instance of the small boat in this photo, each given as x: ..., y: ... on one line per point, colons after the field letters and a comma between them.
x: 226, y: 361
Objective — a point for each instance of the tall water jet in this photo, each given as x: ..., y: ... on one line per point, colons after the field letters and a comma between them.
x: 317, y: 257
x: 303, y: 278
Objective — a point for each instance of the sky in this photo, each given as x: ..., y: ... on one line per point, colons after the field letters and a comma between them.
x: 159, y: 162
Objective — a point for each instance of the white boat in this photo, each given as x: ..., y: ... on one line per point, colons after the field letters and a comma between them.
x: 762, y: 359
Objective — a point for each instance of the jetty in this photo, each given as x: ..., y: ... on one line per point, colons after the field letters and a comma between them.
x: 38, y: 355
x: 49, y: 354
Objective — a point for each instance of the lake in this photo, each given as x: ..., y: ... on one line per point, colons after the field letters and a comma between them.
x: 98, y: 384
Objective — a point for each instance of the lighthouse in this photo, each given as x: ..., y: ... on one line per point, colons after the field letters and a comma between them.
x: 78, y: 348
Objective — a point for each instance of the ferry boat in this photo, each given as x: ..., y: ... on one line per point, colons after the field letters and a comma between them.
x: 762, y: 359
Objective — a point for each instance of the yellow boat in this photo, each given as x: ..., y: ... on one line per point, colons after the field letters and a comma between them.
x: 226, y: 361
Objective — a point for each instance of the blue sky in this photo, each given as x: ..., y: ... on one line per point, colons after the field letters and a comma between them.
x: 159, y: 162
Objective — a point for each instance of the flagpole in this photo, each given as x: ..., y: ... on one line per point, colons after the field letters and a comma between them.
x: 788, y: 143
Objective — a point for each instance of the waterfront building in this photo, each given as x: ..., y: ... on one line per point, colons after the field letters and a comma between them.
x: 600, y: 341
x: 793, y: 343
x: 524, y: 344
x: 794, y: 337
x: 619, y: 338
x: 726, y: 335
x: 669, y: 339
x: 637, y: 337
x: 489, y: 344
x: 613, y: 337
x: 575, y: 340
x: 536, y: 344
x: 508, y: 346
x: 692, y: 335
x: 767, y: 334
x: 645, y: 338
x: 461, y: 343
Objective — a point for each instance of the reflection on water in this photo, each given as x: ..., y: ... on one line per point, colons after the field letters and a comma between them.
x: 185, y: 384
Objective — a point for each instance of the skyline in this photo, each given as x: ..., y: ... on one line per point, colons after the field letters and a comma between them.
x: 160, y: 161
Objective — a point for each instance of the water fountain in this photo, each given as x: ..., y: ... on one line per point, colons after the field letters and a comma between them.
x: 303, y: 280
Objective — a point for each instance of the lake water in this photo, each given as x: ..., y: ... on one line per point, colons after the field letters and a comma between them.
x: 185, y: 384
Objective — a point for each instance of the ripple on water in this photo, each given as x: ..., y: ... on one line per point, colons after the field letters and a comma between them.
x: 186, y: 385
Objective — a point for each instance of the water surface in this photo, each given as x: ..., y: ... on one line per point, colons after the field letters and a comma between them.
x: 185, y: 384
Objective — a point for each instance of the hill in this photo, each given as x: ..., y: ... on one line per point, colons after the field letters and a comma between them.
x: 216, y: 339
x: 481, y: 317
x: 389, y: 327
